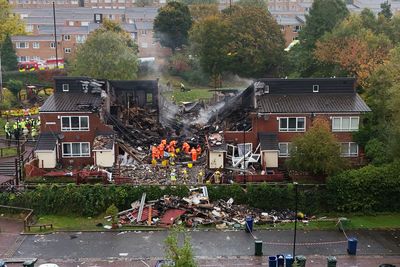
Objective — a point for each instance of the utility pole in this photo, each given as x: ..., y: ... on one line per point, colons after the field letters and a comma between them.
x: 55, y: 33
x: 296, y: 196
x: 1, y: 81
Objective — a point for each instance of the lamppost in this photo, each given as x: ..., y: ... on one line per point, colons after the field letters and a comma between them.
x: 244, y: 153
x: 295, y: 217
x: 17, y: 135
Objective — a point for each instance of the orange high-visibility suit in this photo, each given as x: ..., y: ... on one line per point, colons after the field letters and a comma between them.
x: 186, y: 147
x: 161, y: 150
x: 155, y: 154
x: 194, y: 154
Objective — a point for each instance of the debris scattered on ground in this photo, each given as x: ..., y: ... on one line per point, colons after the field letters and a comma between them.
x: 195, y: 210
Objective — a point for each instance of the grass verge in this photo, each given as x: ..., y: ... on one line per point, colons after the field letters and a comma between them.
x: 378, y: 221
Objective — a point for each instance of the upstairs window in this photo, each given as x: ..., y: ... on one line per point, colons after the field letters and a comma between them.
x: 74, y: 123
x: 297, y: 124
x: 22, y: 45
x: 345, y: 124
x: 315, y: 88
x: 65, y: 87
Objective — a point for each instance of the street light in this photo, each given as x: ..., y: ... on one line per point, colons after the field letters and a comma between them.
x: 18, y: 173
x: 244, y: 153
x: 295, y: 217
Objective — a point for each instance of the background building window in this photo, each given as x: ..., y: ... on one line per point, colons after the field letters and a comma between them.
x: 284, y: 149
x: 52, y: 45
x: 22, y: 45
x: 36, y: 45
x: 67, y: 37
x: 67, y: 50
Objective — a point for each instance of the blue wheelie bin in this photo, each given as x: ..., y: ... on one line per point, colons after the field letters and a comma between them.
x: 272, y: 261
x: 289, y: 260
x: 352, y: 245
x: 249, y: 224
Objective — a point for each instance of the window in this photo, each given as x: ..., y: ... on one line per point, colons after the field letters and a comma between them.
x: 23, y: 58
x: 67, y: 37
x: 36, y: 58
x: 29, y: 28
x: 84, y: 23
x: 349, y: 149
x: 52, y: 45
x: 75, y: 123
x: 296, y: 28
x: 71, y: 23
x: 345, y: 124
x: 22, y: 45
x: 36, y: 45
x: 76, y: 149
x: 144, y: 45
x: 292, y: 124
x: 80, y: 39
x: 65, y: 87
x: 67, y: 50
x: 315, y: 88
x: 284, y: 149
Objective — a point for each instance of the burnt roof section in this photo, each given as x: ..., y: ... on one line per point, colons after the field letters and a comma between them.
x: 64, y: 102
x: 268, y: 141
x: 146, y: 85
x: 103, y: 142
x: 46, y: 142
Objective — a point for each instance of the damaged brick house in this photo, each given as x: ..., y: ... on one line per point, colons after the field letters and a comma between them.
x: 281, y: 109
x: 74, y: 127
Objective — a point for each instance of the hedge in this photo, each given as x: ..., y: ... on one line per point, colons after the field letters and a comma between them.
x: 368, y: 189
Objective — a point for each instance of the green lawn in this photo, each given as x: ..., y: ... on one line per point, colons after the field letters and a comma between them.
x: 8, y: 151
x: 378, y: 221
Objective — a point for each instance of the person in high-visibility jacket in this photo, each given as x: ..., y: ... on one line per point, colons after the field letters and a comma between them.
x: 173, y: 176
x: 33, y: 133
x: 217, y: 177
x: 161, y: 150
x: 186, y: 147
x: 200, y: 177
x: 7, y: 129
x: 194, y: 154
x: 154, y: 153
x: 185, y: 175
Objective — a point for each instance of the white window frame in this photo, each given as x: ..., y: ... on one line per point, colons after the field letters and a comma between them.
x: 80, y: 39
x: 67, y: 50
x: 70, y: 128
x: 65, y: 87
x: 287, y: 129
x: 348, y: 154
x: 315, y: 88
x: 341, y: 129
x: 52, y: 45
x: 71, y: 155
x: 35, y: 45
x: 288, y: 147
x: 26, y: 45
x: 67, y: 37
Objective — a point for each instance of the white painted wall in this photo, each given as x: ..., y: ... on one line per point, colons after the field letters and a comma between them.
x: 105, y: 158
x: 47, y: 159
x: 270, y: 158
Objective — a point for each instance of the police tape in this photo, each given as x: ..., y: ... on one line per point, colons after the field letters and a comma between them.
x: 20, y: 112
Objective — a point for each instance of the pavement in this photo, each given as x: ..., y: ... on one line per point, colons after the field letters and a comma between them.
x: 212, y: 248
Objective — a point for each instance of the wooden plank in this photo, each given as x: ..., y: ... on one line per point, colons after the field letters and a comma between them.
x: 141, y: 207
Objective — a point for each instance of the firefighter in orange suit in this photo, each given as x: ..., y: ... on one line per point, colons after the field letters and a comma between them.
x: 194, y: 154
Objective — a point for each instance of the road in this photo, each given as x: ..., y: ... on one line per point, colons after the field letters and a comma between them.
x: 212, y: 248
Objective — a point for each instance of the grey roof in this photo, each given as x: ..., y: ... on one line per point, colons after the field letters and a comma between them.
x: 144, y: 25
x: 46, y: 141
x: 268, y: 141
x: 48, y: 29
x: 288, y: 21
x: 308, y: 103
x: 27, y: 38
x: 64, y: 102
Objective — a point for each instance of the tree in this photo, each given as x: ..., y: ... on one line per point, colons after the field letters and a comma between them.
x: 198, y: 2
x: 15, y: 87
x: 262, y: 4
x: 143, y: 3
x: 324, y: 15
x: 181, y: 256
x: 386, y: 10
x: 106, y: 55
x: 354, y: 47
x: 317, y: 151
x: 199, y: 12
x: 243, y: 40
x: 172, y: 24
x: 9, y: 24
x: 8, y: 57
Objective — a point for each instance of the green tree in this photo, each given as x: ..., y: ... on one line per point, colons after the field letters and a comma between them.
x: 182, y: 256
x: 106, y: 55
x: 253, y: 3
x: 386, y: 10
x: 317, y: 151
x: 172, y: 24
x: 15, y: 87
x: 8, y: 57
x: 143, y: 3
x: 10, y: 24
x: 198, y: 2
x: 199, y: 12
x: 324, y: 15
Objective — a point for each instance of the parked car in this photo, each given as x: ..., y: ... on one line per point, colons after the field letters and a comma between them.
x: 164, y: 263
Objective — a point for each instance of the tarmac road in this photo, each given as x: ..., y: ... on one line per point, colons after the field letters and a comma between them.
x: 206, y: 244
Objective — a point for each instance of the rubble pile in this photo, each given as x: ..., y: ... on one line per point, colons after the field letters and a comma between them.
x: 196, y: 210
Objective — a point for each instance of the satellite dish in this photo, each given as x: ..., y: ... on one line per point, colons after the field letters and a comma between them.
x: 60, y: 136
